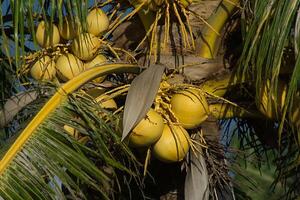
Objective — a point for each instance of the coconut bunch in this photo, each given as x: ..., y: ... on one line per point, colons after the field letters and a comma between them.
x: 179, y: 110
x: 67, y: 49
x: 165, y: 128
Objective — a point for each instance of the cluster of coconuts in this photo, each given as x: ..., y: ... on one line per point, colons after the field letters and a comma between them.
x: 83, y: 49
x: 170, y: 142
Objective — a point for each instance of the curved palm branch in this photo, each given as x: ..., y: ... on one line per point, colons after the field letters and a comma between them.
x: 43, y: 155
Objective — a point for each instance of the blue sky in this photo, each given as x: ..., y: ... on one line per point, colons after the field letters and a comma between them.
x: 5, y: 8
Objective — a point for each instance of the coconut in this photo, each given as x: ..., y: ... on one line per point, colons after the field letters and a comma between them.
x: 190, y: 107
x: 266, y: 99
x: 44, y: 37
x: 68, y: 66
x: 173, y: 144
x: 147, y: 131
x: 106, y: 102
x: 75, y: 133
x: 69, y: 28
x: 97, y: 22
x: 43, y: 69
x: 85, y: 46
x: 71, y: 131
x: 99, y: 59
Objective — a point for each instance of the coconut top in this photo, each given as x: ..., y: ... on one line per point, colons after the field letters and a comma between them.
x: 43, y: 69
x: 68, y: 66
x: 85, y: 46
x: 99, y: 59
x: 190, y: 107
x: 69, y: 28
x: 97, y: 22
x: 47, y: 35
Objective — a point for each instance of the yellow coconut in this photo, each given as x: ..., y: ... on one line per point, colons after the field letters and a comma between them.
x: 106, y: 102
x: 71, y: 131
x: 147, y: 131
x: 76, y: 134
x: 85, y: 46
x: 69, y: 28
x: 173, y: 144
x: 99, y: 59
x: 266, y: 99
x: 43, y: 69
x: 190, y: 107
x: 44, y: 37
x: 97, y: 22
x: 68, y: 66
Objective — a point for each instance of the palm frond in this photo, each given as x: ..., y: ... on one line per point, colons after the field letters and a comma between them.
x: 44, y: 153
x: 270, y: 52
x: 268, y: 30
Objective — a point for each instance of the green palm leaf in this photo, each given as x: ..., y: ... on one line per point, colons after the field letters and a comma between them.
x: 44, y: 153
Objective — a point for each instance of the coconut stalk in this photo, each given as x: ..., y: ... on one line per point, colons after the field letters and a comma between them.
x: 207, y: 41
x: 227, y: 111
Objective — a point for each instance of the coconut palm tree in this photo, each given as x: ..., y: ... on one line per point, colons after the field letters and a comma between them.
x: 80, y: 81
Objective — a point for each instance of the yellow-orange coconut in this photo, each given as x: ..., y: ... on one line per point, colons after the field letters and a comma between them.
x: 190, y: 107
x: 68, y: 66
x: 147, y: 131
x: 85, y: 46
x: 43, y: 69
x: 98, y: 60
x: 173, y: 144
x: 97, y: 22
x: 45, y: 37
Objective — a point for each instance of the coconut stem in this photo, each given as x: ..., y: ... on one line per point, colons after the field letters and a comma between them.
x: 147, y: 160
x: 207, y: 42
x: 226, y: 111
x: 220, y: 85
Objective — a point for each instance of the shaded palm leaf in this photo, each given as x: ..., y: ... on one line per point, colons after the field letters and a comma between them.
x: 141, y: 95
x: 196, y: 184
